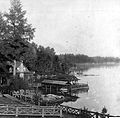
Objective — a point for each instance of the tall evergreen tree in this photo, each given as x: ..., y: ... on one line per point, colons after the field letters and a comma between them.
x: 17, y: 32
x: 15, y: 35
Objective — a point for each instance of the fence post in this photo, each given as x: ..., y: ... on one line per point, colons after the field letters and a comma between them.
x: 43, y: 112
x: 7, y: 108
x: 61, y: 113
x: 16, y: 112
x: 97, y: 114
x: 54, y: 110
x: 32, y: 109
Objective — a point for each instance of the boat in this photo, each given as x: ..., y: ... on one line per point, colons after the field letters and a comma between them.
x: 51, y: 99
x: 64, y: 90
x: 74, y: 87
x: 79, y: 86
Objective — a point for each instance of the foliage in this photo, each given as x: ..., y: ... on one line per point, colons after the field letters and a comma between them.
x: 35, y: 99
x: 15, y: 32
x: 30, y: 57
x: 99, y: 59
x: 15, y: 37
x: 47, y: 62
x: 80, y: 58
x: 18, y: 28
x: 15, y: 42
x: 44, y: 60
x: 19, y: 83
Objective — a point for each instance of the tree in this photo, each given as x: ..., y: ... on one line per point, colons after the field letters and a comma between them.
x: 15, y: 35
x: 56, y: 65
x: 30, y: 57
x: 44, y: 60
x: 15, y: 32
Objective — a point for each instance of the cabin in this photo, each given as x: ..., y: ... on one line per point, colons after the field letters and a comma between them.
x: 23, y: 72
x: 19, y: 70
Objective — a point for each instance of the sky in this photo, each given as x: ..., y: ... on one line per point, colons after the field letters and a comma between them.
x: 90, y: 27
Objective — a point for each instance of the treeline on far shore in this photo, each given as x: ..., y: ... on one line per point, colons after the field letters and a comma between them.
x: 81, y: 58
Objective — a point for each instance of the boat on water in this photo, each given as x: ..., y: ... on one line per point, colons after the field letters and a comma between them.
x: 64, y: 90
x: 79, y: 86
x: 74, y: 87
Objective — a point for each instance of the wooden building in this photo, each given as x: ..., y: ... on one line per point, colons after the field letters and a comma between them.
x: 63, y: 83
x: 54, y: 86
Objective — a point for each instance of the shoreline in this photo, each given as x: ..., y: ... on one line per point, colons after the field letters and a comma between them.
x: 85, y: 66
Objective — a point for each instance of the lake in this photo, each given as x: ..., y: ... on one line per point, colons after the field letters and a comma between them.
x: 104, y: 90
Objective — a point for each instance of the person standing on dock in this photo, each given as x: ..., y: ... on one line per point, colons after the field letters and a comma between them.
x: 104, y: 111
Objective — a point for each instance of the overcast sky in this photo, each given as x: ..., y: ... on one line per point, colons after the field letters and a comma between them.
x: 89, y: 27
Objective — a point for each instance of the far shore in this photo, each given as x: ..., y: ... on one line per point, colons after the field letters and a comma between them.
x: 86, y: 66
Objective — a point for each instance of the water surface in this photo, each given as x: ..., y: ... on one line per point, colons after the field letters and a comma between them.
x: 104, y: 90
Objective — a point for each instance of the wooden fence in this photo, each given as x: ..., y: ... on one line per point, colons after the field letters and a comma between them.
x: 30, y: 111
x: 82, y: 113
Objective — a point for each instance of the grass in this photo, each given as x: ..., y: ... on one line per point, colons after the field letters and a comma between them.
x: 7, y: 101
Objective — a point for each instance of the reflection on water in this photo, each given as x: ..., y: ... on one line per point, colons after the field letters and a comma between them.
x: 104, y: 90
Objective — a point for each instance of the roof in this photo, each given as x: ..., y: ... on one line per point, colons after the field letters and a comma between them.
x: 17, y: 63
x: 54, y: 82
x: 21, y: 67
x: 64, y: 77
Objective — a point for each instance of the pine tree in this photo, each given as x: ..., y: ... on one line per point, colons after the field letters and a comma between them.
x: 17, y: 32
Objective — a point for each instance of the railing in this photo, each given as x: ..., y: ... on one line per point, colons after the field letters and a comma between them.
x: 84, y: 113
x: 30, y: 111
